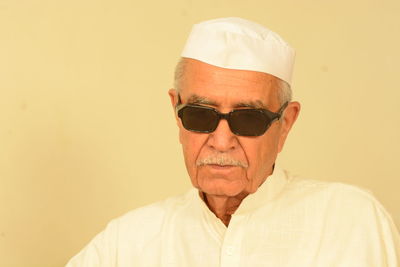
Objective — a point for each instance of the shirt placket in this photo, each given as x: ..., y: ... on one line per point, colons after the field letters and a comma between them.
x: 231, y: 246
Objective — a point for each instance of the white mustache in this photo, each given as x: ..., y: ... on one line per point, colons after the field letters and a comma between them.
x: 222, y: 160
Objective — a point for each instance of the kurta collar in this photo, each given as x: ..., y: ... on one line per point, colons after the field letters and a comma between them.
x: 268, y: 191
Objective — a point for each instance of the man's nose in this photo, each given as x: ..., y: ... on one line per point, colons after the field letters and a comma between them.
x: 222, y: 139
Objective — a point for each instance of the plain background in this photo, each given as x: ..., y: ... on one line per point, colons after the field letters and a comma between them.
x: 86, y: 128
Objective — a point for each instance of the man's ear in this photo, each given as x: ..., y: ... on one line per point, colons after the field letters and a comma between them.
x: 288, y: 119
x: 173, y: 95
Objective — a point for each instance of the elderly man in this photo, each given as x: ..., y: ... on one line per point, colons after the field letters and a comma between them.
x: 232, y: 103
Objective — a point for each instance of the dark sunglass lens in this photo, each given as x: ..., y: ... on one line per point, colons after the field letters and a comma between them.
x: 249, y: 122
x: 199, y: 119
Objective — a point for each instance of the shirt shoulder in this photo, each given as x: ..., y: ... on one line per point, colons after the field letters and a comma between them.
x: 338, y: 204
x: 349, y: 221
x: 329, y: 191
x: 126, y: 236
x: 152, y: 216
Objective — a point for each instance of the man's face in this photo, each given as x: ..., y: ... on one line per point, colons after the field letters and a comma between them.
x: 222, y: 163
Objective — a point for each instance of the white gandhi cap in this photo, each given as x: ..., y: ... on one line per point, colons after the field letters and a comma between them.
x: 236, y: 43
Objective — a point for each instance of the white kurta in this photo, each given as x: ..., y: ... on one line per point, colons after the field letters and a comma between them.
x: 288, y: 222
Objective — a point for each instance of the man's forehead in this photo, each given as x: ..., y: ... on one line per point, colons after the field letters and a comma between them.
x: 195, y: 69
x: 199, y: 74
x: 207, y: 84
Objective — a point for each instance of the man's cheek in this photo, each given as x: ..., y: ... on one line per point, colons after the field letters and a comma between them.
x: 181, y: 136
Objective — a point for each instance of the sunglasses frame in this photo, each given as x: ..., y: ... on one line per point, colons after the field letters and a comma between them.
x: 273, y: 116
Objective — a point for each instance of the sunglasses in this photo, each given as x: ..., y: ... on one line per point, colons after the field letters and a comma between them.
x: 243, y: 122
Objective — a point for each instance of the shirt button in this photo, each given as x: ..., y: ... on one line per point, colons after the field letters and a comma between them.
x: 230, y: 250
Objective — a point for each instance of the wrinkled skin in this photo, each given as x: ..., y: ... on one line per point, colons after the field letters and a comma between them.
x: 224, y: 187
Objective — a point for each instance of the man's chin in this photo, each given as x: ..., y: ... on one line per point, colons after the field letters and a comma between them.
x: 221, y: 188
x: 217, y: 172
x: 223, y: 181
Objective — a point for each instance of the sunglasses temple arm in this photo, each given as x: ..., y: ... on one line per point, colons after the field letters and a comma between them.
x: 282, y: 109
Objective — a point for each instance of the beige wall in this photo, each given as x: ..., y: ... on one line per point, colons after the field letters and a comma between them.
x: 87, y: 132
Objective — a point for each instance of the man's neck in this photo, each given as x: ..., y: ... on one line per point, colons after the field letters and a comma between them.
x: 222, y: 206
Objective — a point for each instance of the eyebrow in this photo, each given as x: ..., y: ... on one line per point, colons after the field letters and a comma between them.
x: 195, y: 99
x: 251, y: 104
x: 199, y: 100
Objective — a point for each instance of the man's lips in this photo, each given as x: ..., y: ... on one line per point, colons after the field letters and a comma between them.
x: 221, y: 167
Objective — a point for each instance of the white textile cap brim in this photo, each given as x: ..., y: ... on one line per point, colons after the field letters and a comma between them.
x: 235, y: 43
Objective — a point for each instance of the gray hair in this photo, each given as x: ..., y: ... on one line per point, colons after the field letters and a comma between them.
x: 284, y: 90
